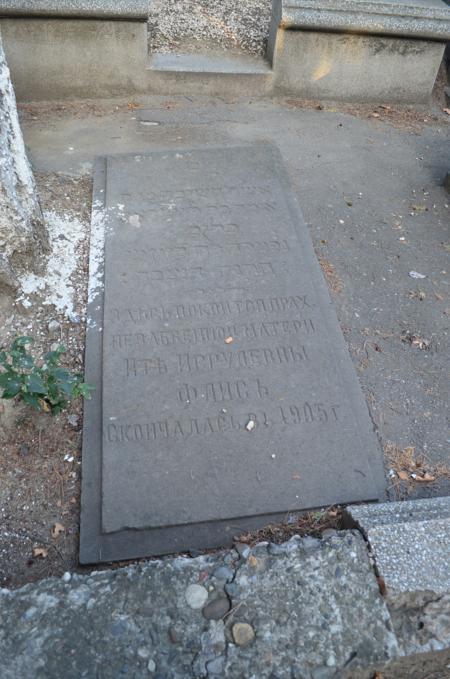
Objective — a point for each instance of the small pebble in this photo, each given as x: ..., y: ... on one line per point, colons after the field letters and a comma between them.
x: 242, y: 549
x: 216, y: 609
x: 151, y: 666
x: 143, y: 653
x: 73, y: 420
x: 232, y: 589
x: 67, y: 577
x: 24, y: 449
x: 54, y: 328
x: 223, y: 573
x: 196, y: 596
x: 243, y: 633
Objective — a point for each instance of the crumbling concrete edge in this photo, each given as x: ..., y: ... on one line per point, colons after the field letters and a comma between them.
x: 400, y: 636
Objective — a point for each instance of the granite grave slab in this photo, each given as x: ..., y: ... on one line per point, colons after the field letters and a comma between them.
x: 228, y: 397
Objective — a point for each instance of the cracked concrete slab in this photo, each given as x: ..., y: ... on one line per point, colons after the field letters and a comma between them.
x: 308, y: 607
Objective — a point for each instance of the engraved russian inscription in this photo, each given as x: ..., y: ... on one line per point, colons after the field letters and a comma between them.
x: 216, y: 316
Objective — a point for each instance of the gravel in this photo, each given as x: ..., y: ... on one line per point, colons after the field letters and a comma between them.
x: 194, y: 25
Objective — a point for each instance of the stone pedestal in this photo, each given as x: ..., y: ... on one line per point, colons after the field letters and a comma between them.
x: 75, y: 49
x: 358, y: 50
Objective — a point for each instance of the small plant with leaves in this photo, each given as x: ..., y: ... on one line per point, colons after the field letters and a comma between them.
x: 47, y: 386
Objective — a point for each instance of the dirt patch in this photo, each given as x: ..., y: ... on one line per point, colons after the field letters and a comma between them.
x: 40, y: 455
x: 402, y: 117
x: 409, y: 468
x: 331, y: 276
x: 311, y: 523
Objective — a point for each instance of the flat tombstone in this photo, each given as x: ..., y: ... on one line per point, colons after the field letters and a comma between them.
x: 228, y: 392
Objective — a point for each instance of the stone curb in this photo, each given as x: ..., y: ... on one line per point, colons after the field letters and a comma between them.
x: 90, y: 9
x: 310, y: 608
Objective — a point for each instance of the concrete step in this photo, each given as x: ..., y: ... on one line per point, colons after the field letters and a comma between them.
x: 229, y: 73
x: 410, y: 545
x: 390, y: 513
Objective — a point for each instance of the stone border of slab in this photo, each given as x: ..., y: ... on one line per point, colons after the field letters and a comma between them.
x: 74, y: 48
x: 358, y: 50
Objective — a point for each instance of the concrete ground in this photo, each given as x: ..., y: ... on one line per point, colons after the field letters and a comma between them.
x: 369, y: 183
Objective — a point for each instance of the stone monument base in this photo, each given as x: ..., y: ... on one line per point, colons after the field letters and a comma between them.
x: 362, y: 68
x: 74, y: 58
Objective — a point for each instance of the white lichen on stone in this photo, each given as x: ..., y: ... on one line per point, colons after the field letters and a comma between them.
x: 55, y: 285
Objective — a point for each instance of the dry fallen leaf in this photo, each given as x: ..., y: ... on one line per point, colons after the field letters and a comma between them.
x: 40, y: 552
x: 381, y: 585
x: 404, y: 476
x: 417, y: 294
x: 252, y: 561
x: 439, y: 297
x: 375, y: 115
x: 447, y: 111
x: 57, y: 529
x: 426, y: 478
x: 416, y: 341
x: 44, y: 405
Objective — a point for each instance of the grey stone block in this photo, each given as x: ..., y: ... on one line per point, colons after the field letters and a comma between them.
x: 410, y: 546
x: 93, y: 9
x: 313, y: 614
x: 390, y: 513
x: 428, y: 19
x: 358, y: 50
x: 413, y: 557
x: 178, y: 462
x: 351, y: 67
x: 410, y: 542
x: 78, y: 58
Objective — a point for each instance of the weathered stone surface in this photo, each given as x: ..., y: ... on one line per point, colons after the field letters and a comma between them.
x: 414, y: 19
x: 78, y: 58
x: 119, y: 9
x: 410, y: 545
x: 389, y: 513
x: 358, y: 50
x: 228, y: 391
x: 115, y: 622
x: 410, y: 542
x: 23, y: 238
x: 414, y: 556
